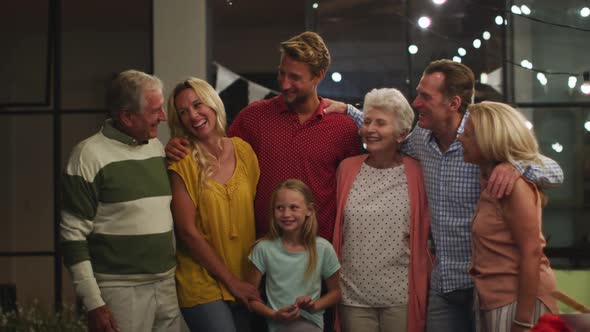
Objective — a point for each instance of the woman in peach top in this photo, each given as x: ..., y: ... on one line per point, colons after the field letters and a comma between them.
x: 512, y: 276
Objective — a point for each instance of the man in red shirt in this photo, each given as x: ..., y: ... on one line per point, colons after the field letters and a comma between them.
x: 292, y: 135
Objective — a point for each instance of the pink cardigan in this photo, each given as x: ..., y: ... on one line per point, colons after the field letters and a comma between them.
x: 420, y: 262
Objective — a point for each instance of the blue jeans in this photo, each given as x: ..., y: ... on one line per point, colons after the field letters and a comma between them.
x: 217, y: 316
x: 450, y: 312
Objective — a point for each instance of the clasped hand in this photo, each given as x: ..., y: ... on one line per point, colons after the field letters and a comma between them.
x: 293, y: 311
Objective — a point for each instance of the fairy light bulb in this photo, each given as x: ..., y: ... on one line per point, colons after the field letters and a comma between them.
x: 586, y: 85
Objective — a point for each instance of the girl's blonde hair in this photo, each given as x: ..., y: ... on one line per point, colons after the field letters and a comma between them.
x: 501, y: 133
x: 310, y: 225
x: 206, y: 162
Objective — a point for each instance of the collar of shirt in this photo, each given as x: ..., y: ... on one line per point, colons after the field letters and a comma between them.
x: 318, y: 114
x: 111, y: 132
x: 431, y: 140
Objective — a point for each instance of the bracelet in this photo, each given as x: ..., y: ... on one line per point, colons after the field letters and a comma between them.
x: 521, y: 324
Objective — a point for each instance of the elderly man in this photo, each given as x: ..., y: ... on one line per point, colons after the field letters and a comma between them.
x: 116, y: 228
x: 452, y: 186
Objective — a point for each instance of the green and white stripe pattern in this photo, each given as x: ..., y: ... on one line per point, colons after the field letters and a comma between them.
x: 116, y: 214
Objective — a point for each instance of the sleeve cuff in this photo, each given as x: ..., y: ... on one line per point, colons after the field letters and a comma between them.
x: 86, y: 286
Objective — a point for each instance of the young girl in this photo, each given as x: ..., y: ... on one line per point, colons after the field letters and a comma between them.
x: 294, y: 261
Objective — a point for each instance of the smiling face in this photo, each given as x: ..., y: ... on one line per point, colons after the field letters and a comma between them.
x: 143, y: 126
x: 290, y: 211
x: 433, y: 107
x: 198, y: 119
x: 379, y: 131
x: 296, y: 81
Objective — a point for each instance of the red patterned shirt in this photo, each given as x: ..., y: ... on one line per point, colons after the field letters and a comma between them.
x: 286, y: 148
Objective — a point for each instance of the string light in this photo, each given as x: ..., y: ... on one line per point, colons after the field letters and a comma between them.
x: 587, y: 125
x: 526, y: 64
x: 424, y: 22
x: 525, y: 9
x: 439, y: 2
x: 499, y: 22
x: 476, y: 43
x: 542, y: 78
x: 483, y: 78
x: 413, y: 49
x: 572, y: 81
x: 585, y: 12
x: 336, y: 77
x: 315, y: 5
x: 515, y: 10
x: 585, y: 88
x: 557, y: 147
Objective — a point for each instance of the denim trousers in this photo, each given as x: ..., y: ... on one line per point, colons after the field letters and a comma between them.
x: 450, y: 312
x: 217, y: 316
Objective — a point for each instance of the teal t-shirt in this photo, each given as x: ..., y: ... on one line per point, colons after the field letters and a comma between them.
x: 285, y: 275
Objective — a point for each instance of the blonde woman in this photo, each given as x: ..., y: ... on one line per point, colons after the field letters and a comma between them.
x: 213, y: 189
x: 512, y: 276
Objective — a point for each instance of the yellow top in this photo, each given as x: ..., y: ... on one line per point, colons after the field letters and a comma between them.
x: 225, y: 217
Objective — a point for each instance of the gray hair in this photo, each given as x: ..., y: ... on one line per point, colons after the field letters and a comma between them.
x: 390, y: 100
x: 126, y: 91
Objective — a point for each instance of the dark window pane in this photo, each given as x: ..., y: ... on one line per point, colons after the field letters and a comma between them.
x: 563, y: 136
x: 368, y: 46
x: 23, y: 59
x: 552, y: 48
x: 26, y: 174
x: 33, y: 278
x: 100, y: 39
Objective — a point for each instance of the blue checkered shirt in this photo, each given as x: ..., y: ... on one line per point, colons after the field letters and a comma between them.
x: 453, y: 189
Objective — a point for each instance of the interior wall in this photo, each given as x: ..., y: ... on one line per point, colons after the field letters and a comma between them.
x: 180, y: 44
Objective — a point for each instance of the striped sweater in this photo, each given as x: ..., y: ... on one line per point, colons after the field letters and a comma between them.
x: 116, y: 227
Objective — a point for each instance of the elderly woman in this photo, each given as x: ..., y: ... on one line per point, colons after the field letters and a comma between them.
x: 213, y: 190
x: 512, y: 276
x: 382, y: 224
